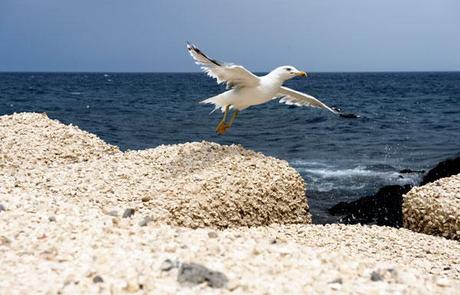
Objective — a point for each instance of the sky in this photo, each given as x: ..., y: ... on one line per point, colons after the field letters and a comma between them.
x: 150, y: 35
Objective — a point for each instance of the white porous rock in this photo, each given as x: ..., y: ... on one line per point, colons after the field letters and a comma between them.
x: 29, y: 140
x: 192, y: 185
x: 84, y: 251
x: 434, y: 208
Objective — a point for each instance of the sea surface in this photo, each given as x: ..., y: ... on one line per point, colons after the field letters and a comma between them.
x: 407, y: 121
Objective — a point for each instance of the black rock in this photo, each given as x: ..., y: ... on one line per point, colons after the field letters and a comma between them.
x: 383, y: 208
x: 443, y: 169
x: 194, y: 273
x: 98, y: 279
x: 2, y: 208
x: 128, y: 213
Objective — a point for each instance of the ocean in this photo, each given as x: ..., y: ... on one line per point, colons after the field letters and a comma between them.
x: 407, y: 121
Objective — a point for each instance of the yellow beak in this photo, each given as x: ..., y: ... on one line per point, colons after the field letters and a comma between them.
x: 301, y: 74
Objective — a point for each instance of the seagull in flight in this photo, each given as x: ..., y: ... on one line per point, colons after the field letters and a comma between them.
x: 246, y: 89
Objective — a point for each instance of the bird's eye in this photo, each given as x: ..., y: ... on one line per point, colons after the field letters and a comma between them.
x: 288, y: 69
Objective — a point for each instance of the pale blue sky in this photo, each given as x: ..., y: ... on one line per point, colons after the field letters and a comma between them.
x: 150, y: 35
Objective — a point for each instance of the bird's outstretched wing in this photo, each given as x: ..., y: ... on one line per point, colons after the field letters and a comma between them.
x: 232, y: 75
x: 293, y: 97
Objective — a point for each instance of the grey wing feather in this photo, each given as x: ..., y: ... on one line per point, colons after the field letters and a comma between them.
x: 231, y: 75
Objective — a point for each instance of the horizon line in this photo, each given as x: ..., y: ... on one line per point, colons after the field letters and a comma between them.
x: 200, y: 72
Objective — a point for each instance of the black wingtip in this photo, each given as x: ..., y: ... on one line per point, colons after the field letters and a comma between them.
x: 344, y: 114
x: 349, y: 115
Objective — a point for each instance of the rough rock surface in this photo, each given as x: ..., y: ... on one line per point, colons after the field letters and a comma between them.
x: 85, y: 251
x: 193, y: 184
x: 434, y: 208
x: 28, y: 140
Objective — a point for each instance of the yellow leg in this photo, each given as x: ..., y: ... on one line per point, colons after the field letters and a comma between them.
x: 235, y: 113
x: 222, y: 126
x: 225, y: 113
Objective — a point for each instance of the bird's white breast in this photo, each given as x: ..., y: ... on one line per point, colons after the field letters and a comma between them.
x: 248, y: 96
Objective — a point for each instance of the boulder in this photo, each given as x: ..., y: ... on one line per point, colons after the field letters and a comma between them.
x: 193, y: 184
x: 443, y: 169
x: 28, y: 140
x: 434, y: 208
x: 383, y: 208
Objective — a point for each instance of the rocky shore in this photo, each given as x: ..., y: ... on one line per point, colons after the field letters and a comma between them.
x: 386, y: 206
x: 79, y: 216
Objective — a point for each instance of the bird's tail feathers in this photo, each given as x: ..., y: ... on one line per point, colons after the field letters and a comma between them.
x: 217, y: 101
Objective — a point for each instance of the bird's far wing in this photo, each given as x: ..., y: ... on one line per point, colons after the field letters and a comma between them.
x: 232, y: 75
x: 293, y: 97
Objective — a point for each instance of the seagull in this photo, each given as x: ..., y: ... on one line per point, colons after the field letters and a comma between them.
x: 244, y: 89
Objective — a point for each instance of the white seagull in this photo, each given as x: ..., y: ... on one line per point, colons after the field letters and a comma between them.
x: 247, y: 89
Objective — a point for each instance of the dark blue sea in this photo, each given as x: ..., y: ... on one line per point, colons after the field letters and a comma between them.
x: 407, y: 121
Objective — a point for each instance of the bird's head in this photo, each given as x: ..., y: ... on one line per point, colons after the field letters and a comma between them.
x: 287, y: 72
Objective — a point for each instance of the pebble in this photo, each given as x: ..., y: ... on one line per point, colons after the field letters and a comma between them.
x: 128, y: 213
x: 376, y: 276
x: 145, y: 221
x: 2, y: 208
x: 113, y: 213
x: 97, y: 279
x: 212, y: 235
x: 146, y: 199
x: 194, y: 273
x: 167, y: 265
x: 336, y: 281
x: 4, y: 240
x: 443, y: 282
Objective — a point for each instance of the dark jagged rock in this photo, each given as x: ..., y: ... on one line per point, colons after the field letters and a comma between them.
x: 383, y: 208
x: 443, y: 169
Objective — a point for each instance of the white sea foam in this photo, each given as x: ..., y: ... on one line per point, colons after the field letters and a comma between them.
x: 359, y: 171
x: 324, y: 177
